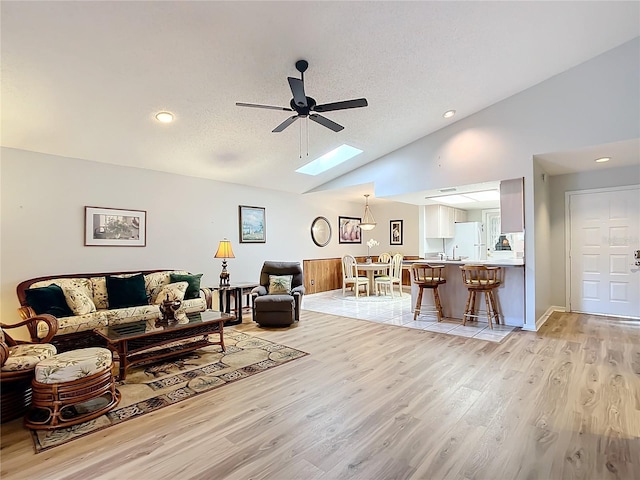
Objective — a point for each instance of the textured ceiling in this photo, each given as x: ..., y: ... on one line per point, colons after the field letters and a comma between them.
x: 84, y: 79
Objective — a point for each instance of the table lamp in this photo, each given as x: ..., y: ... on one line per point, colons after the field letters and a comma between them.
x: 224, y: 251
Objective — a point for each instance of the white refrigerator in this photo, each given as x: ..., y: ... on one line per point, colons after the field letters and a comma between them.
x: 468, y: 242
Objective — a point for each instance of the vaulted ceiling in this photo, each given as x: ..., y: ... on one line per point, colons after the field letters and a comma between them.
x: 85, y: 79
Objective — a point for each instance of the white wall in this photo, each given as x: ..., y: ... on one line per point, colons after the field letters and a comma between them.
x: 384, y: 212
x: 559, y: 185
x: 43, y: 199
x: 591, y: 104
x: 540, y: 268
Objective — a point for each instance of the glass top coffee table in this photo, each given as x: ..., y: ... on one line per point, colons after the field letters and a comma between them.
x: 147, y: 341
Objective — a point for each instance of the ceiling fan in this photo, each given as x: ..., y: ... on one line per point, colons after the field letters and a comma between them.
x: 306, y: 106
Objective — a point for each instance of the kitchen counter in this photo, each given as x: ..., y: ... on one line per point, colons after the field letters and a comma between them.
x: 497, y: 262
x: 453, y: 294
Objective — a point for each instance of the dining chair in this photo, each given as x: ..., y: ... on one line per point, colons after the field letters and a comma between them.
x: 394, y: 276
x: 350, y: 276
x: 383, y: 258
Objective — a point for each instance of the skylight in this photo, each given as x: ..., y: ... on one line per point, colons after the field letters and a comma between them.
x: 329, y: 160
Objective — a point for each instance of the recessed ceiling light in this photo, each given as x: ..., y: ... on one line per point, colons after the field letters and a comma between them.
x: 603, y: 159
x: 164, y: 117
x: 449, y: 113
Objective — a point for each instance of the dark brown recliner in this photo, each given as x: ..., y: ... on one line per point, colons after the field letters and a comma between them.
x: 280, y: 309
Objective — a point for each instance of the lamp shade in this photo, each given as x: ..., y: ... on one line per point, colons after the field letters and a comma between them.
x: 225, y: 250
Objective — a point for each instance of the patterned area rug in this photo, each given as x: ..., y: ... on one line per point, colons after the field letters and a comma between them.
x: 157, y: 385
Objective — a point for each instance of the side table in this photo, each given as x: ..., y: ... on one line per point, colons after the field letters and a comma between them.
x: 237, y: 291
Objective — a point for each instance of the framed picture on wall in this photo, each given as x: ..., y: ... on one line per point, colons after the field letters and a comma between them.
x: 252, y: 223
x: 114, y: 227
x: 349, y: 230
x: 395, y: 232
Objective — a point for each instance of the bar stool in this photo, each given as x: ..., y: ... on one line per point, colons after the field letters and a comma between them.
x: 483, y: 279
x: 424, y: 276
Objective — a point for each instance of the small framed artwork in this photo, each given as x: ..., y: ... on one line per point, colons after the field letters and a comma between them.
x: 114, y: 227
x: 349, y: 230
x: 395, y: 232
x: 253, y: 228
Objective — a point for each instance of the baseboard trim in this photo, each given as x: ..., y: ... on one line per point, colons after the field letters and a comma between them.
x: 545, y: 316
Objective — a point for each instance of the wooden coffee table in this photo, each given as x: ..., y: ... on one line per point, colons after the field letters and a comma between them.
x: 138, y: 342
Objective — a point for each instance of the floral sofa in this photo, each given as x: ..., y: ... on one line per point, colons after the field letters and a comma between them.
x: 83, y: 302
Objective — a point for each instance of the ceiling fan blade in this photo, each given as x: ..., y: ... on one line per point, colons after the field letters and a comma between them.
x: 297, y: 88
x: 285, y: 124
x: 324, y: 121
x: 329, y: 107
x: 255, y: 105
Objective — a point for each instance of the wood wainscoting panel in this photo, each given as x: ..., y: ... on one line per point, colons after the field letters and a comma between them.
x: 322, y: 274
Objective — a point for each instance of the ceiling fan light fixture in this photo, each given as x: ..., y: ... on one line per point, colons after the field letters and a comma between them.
x: 307, y: 107
x: 449, y: 113
x: 368, y: 222
x: 164, y: 117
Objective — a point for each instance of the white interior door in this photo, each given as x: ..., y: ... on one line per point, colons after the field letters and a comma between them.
x: 604, y: 234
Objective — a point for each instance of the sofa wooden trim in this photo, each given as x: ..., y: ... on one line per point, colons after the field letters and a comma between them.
x: 82, y: 339
x: 23, y: 286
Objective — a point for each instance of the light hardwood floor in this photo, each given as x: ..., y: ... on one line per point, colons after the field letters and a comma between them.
x: 375, y: 401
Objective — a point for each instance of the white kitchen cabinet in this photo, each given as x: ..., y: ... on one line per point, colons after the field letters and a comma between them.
x: 439, y: 221
x: 460, y: 215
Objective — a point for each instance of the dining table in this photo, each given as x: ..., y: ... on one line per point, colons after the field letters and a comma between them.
x: 371, y: 269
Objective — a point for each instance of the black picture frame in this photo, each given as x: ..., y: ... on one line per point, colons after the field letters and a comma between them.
x: 349, y: 230
x: 396, y: 232
x: 252, y: 223
x: 114, y: 227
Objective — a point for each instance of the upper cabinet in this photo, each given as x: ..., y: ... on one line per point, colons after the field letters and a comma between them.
x: 440, y: 220
x: 512, y: 205
x: 460, y: 215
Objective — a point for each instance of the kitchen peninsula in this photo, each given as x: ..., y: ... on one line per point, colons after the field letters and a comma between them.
x: 453, y: 294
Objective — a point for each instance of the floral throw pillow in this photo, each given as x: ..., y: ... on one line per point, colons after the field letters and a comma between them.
x: 172, y: 292
x: 79, y: 302
x: 280, y: 284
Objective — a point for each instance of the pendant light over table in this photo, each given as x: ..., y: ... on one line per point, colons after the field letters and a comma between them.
x: 368, y: 222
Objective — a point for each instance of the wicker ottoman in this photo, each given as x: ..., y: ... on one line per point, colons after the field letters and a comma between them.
x: 71, y: 388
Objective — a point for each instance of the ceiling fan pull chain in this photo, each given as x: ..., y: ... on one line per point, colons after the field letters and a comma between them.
x: 307, y: 122
x: 300, y: 143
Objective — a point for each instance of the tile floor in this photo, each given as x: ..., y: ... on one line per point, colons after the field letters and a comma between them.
x: 397, y: 311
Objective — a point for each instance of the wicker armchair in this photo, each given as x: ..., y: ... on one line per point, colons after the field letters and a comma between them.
x: 18, y: 361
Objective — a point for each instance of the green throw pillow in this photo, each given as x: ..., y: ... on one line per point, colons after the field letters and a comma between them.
x: 49, y: 299
x: 193, y: 290
x: 280, y: 284
x: 126, y: 292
